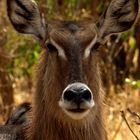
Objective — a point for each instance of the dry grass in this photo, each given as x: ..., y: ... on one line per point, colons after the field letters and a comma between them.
x: 116, y: 125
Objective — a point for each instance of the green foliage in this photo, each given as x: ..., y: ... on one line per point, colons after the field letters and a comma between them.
x: 132, y: 42
x: 25, y: 53
x: 133, y: 83
x: 100, y: 8
x: 126, y: 35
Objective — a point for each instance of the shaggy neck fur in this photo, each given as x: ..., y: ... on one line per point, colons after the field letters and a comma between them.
x: 48, y: 125
x: 52, y: 129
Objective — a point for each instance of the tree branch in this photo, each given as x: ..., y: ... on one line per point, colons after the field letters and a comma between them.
x: 123, y: 116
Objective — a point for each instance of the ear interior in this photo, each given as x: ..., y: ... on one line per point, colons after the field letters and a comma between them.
x: 119, y: 17
x: 25, y: 17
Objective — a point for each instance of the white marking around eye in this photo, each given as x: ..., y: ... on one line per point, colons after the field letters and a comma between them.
x: 61, y: 52
x: 89, y: 47
x: 33, y: 2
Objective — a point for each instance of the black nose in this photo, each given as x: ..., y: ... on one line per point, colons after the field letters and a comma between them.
x: 77, y: 95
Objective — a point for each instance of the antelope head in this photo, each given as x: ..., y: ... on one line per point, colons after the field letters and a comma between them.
x: 70, y: 80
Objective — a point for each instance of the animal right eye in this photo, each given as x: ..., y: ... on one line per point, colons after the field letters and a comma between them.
x: 96, y: 46
x: 50, y: 47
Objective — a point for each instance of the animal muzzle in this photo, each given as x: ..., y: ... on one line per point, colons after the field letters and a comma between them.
x: 77, y: 100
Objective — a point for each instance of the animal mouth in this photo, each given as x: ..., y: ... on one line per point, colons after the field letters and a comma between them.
x: 78, y: 110
x: 76, y: 114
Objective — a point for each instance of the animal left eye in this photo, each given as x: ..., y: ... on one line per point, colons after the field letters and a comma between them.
x: 50, y: 47
x: 96, y: 46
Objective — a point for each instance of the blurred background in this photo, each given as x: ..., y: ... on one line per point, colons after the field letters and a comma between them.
x: 120, y: 65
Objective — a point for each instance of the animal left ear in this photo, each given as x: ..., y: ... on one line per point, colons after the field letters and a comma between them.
x: 119, y: 17
x: 26, y: 18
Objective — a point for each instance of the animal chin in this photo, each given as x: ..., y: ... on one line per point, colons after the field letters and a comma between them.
x: 76, y: 114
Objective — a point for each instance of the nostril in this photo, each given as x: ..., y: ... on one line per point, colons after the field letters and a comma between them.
x: 86, y: 95
x: 69, y: 95
x: 77, y: 95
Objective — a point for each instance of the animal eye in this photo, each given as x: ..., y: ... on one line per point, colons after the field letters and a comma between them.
x: 50, y: 47
x: 96, y: 46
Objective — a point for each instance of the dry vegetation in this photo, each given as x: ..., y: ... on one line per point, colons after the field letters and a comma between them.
x: 122, y: 95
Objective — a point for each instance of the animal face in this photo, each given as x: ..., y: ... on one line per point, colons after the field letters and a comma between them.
x: 72, y: 57
x: 71, y: 76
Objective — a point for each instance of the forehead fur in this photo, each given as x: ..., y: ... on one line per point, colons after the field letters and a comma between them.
x: 67, y: 32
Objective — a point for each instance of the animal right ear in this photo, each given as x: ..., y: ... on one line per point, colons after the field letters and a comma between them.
x: 25, y: 17
x: 119, y: 17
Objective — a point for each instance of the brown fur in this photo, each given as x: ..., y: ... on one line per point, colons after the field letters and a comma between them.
x: 54, y: 73
x: 49, y: 121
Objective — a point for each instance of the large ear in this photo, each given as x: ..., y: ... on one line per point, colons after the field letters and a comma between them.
x: 119, y: 17
x: 25, y: 17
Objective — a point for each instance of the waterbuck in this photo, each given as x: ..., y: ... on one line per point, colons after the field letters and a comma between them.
x: 68, y: 101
